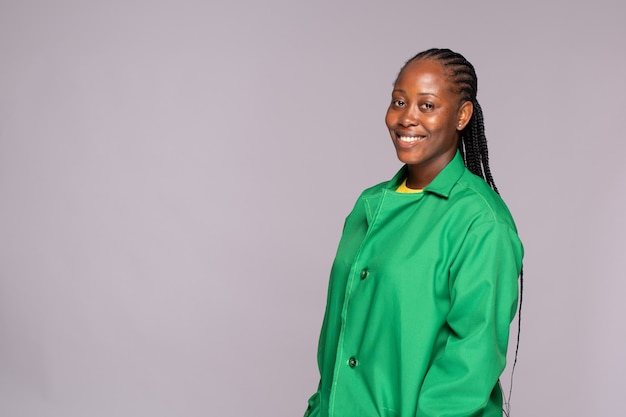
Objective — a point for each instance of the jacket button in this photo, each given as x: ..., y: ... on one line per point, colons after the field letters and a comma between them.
x: 352, y: 362
x: 364, y: 273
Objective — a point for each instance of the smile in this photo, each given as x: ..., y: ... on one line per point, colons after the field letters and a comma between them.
x: 411, y: 139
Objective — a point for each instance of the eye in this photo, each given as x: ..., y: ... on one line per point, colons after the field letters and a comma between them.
x: 398, y: 103
x: 427, y: 106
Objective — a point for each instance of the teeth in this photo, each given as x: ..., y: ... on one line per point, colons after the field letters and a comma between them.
x: 411, y: 139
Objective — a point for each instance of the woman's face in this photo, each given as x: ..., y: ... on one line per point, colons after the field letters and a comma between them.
x: 425, y: 116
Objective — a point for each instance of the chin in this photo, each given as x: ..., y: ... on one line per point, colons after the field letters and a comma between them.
x: 409, y: 159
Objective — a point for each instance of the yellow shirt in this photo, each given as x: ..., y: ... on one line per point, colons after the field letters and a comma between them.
x: 402, y: 188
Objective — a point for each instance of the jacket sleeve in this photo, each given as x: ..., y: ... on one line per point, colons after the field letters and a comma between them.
x: 313, y: 409
x: 483, y: 295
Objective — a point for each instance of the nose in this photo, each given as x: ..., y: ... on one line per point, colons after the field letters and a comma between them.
x: 409, y: 117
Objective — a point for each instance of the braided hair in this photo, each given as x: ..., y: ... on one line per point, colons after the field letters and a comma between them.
x: 472, y: 141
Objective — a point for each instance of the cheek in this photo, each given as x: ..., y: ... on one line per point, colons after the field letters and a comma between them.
x: 388, y: 119
x: 441, y: 123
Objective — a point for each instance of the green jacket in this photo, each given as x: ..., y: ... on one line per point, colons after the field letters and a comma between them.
x: 421, y: 296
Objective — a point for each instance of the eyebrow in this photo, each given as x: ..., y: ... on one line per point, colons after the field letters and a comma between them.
x: 399, y: 90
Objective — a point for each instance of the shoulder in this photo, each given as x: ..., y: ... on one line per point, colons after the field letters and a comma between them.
x: 477, y: 199
x: 482, y: 217
x: 375, y: 190
x: 390, y: 184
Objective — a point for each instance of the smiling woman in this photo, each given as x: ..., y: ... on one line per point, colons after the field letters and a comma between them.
x: 425, y: 281
x: 423, y: 119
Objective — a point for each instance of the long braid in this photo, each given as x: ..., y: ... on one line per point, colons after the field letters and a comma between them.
x: 473, y: 146
x: 482, y: 151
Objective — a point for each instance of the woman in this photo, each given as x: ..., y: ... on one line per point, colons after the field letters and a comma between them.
x: 424, y: 284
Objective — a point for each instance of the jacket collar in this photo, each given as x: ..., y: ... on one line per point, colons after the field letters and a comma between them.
x: 444, y: 181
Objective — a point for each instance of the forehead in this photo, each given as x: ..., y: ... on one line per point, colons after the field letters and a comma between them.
x: 424, y: 74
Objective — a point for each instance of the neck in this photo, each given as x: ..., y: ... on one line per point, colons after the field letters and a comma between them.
x: 416, y: 180
x: 420, y: 175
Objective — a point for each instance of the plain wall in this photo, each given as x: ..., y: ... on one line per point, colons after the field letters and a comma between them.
x: 174, y: 176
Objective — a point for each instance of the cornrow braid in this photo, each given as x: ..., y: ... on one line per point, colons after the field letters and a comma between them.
x: 472, y: 141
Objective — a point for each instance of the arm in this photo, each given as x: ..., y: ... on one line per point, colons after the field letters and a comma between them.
x: 313, y: 405
x: 483, y: 295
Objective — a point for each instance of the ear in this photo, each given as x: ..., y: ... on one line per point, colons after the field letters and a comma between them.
x: 464, y: 115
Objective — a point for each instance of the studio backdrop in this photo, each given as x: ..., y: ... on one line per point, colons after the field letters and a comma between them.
x: 174, y: 177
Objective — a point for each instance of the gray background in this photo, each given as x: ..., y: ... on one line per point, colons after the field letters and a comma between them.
x: 174, y: 177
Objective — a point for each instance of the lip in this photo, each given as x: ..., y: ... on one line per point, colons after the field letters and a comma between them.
x: 408, y: 140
